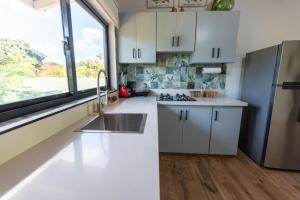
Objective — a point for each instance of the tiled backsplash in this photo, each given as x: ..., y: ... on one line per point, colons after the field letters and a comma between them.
x: 173, y: 72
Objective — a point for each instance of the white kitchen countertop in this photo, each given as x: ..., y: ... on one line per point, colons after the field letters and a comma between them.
x: 218, y: 101
x: 73, y: 165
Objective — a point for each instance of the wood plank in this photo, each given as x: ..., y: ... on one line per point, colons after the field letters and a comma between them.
x: 194, y: 177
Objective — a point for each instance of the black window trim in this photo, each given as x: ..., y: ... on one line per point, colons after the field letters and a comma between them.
x: 92, y: 11
x: 18, y: 109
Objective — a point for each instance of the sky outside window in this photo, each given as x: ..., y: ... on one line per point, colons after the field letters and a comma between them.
x: 88, y: 36
x: 32, y: 62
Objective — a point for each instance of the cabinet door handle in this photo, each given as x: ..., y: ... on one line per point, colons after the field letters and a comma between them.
x: 181, y: 113
x: 213, y: 53
x: 187, y: 114
x: 178, y: 41
x: 216, y: 115
x: 134, y: 53
x: 298, y: 118
x: 173, y: 41
x: 139, y: 53
x: 218, y: 54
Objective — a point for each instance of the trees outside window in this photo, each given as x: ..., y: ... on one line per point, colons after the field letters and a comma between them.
x: 32, y: 59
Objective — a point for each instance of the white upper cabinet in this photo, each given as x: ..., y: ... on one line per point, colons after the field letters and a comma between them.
x: 185, y: 31
x: 166, y: 31
x: 228, y: 35
x: 213, y: 41
x: 205, y: 38
x: 127, y: 39
x: 137, y: 38
x: 176, y: 31
x: 146, y: 37
x: 216, y: 37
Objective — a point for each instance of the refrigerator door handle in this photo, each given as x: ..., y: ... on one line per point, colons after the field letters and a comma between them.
x: 289, y: 85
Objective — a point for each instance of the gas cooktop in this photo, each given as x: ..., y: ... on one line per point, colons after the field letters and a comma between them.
x: 177, y: 97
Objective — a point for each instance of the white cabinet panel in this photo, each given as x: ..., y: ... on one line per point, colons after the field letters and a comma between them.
x: 146, y: 37
x: 166, y: 31
x: 206, y: 34
x: 228, y: 24
x: 216, y: 37
x: 199, y: 129
x: 137, y: 38
x: 185, y: 31
x: 225, y: 130
x: 196, y: 129
x: 170, y: 128
x: 176, y: 31
x: 127, y: 39
x: 184, y: 129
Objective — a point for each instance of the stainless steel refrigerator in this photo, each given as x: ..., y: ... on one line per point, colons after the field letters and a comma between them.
x: 270, y: 132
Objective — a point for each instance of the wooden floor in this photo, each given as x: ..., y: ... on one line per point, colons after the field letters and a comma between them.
x: 185, y: 177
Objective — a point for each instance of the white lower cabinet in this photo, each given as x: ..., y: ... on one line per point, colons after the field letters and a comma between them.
x: 196, y: 129
x: 225, y: 130
x: 170, y: 128
x: 199, y: 129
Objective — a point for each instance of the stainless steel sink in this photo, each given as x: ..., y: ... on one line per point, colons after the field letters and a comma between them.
x: 116, y: 123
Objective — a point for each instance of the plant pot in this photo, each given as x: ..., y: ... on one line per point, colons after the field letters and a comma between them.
x: 223, y: 5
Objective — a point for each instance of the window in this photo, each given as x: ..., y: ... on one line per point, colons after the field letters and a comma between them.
x: 36, y: 70
x: 89, y: 47
x: 32, y: 62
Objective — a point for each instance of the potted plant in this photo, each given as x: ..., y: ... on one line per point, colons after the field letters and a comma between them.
x: 222, y: 5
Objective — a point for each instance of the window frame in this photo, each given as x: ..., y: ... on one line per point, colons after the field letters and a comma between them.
x: 18, y: 109
x: 88, y: 8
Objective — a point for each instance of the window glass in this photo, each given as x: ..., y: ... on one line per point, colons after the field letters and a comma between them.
x: 89, y: 47
x: 32, y: 62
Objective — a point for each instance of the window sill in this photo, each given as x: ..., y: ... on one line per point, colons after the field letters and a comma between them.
x: 28, y: 119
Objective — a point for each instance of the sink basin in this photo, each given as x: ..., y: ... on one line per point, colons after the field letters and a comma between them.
x: 116, y: 123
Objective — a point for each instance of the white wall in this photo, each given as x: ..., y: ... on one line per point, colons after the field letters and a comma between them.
x: 19, y: 140
x: 263, y: 23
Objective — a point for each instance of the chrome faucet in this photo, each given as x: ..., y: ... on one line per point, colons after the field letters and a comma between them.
x: 99, y: 92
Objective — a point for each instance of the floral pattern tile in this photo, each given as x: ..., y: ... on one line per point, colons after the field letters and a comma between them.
x: 173, y: 72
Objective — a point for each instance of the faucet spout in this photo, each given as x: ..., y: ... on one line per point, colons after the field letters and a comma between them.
x: 99, y: 91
